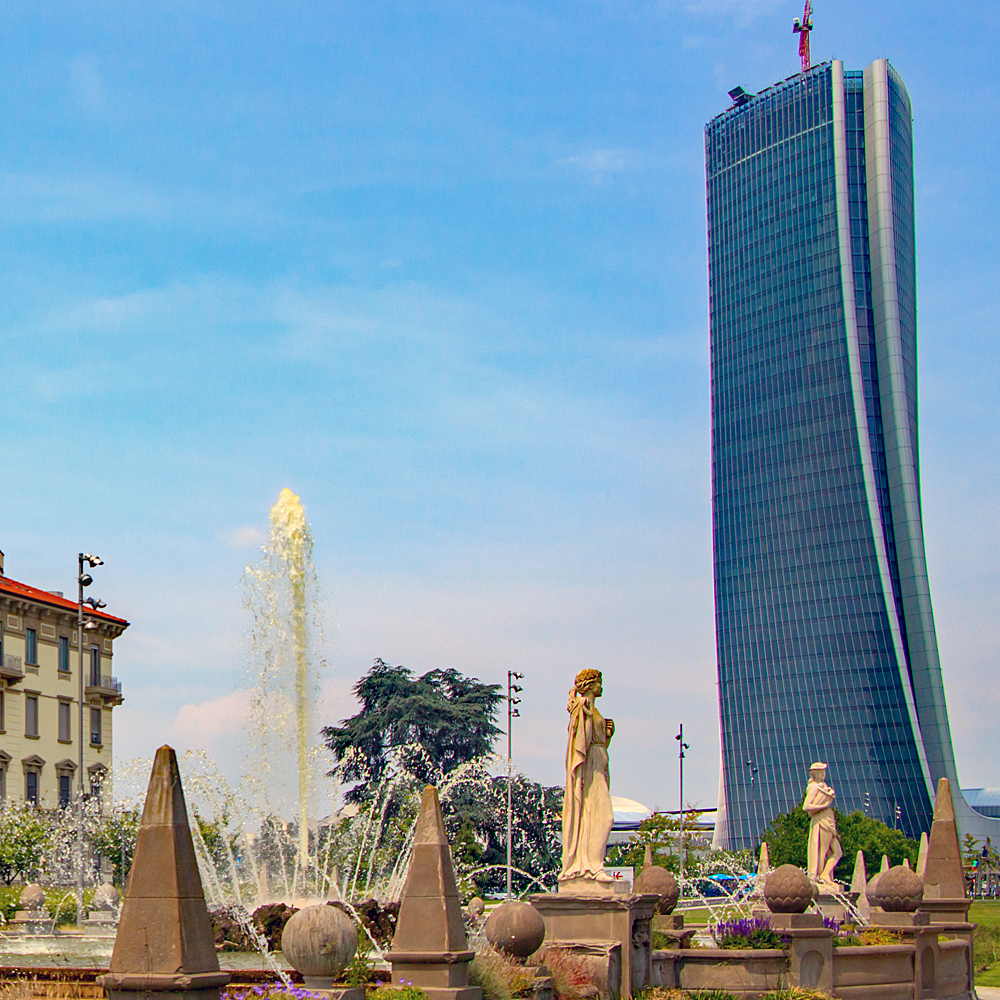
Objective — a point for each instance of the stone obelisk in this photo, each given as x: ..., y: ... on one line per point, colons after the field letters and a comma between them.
x: 164, y: 947
x: 429, y: 948
x: 944, y: 878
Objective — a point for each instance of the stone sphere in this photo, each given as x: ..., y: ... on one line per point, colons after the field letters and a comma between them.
x: 476, y: 907
x: 516, y: 928
x: 32, y: 897
x: 105, y: 897
x: 658, y: 880
x: 899, y: 890
x: 319, y: 941
x: 788, y: 890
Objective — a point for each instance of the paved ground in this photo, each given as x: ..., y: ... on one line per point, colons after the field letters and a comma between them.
x: 988, y: 992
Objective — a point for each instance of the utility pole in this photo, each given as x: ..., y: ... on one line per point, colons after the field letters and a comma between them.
x: 512, y: 713
x: 683, y: 746
x: 83, y: 580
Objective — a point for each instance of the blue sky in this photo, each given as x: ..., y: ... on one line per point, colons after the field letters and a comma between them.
x: 441, y: 269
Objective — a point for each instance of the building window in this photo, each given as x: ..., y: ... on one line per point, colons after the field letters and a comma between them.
x: 31, y: 787
x: 97, y: 775
x: 95, y: 665
x: 3, y: 784
x: 64, y: 788
x: 31, y: 715
x: 31, y: 646
x: 64, y: 716
x: 64, y: 653
x: 3, y: 727
x: 95, y: 727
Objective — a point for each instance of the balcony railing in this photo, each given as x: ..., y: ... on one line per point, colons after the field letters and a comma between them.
x: 106, y: 686
x: 12, y: 667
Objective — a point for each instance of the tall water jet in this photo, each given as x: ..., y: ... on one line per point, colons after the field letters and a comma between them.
x: 279, y: 599
x: 288, y: 523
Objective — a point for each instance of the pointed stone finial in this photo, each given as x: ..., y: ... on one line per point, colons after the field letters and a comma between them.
x: 944, y: 877
x: 647, y: 861
x: 764, y: 864
x: 885, y: 864
x: 859, y: 881
x: 906, y: 863
x: 922, y: 855
x: 429, y: 948
x: 164, y: 941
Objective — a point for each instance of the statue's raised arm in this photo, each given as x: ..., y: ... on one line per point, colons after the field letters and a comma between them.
x: 587, y: 812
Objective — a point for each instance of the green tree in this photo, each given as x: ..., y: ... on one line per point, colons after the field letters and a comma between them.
x: 788, y: 841
x: 480, y: 805
x: 432, y: 724
x: 25, y: 834
x: 115, y: 839
x: 661, y: 833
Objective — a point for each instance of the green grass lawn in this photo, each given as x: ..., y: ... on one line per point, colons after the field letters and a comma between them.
x: 987, y: 915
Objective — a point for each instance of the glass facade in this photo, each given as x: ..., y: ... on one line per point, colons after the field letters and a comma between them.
x: 813, y: 350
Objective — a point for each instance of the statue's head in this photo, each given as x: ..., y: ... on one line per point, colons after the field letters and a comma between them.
x: 588, y: 682
x: 818, y: 771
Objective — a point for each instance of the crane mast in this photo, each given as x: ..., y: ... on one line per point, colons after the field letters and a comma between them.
x: 802, y: 29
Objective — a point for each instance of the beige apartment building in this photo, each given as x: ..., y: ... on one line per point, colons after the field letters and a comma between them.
x: 39, y: 695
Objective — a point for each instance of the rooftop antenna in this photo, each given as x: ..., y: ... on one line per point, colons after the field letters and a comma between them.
x: 803, y: 28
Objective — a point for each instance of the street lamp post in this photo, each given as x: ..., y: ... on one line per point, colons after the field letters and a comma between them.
x: 512, y: 713
x: 683, y: 746
x: 83, y: 580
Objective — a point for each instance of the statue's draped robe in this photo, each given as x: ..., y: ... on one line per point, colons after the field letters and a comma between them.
x: 587, y: 812
x: 822, y: 824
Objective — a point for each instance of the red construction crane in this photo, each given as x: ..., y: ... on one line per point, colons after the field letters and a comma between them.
x: 803, y: 28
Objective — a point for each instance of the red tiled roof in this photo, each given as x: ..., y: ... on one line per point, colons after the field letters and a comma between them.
x: 28, y: 593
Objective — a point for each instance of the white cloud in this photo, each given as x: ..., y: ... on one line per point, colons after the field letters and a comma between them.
x: 246, y: 536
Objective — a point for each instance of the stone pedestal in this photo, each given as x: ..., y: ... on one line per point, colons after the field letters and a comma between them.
x: 591, y: 887
x: 613, y: 928
x: 33, y: 921
x: 671, y: 925
x: 811, y: 952
x: 832, y: 906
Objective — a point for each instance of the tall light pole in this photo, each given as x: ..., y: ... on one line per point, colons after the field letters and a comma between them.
x: 83, y: 580
x: 512, y: 713
x: 683, y: 746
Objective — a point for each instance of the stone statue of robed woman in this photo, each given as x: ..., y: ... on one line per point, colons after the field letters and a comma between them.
x: 587, y: 813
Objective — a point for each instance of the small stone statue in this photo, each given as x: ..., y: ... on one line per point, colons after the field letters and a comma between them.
x: 824, y: 844
x: 587, y: 812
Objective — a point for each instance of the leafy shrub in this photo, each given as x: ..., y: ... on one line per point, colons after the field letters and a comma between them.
x: 499, y: 976
x: 358, y: 973
x: 571, y: 974
x: 867, y: 937
x: 405, y: 991
x: 747, y: 932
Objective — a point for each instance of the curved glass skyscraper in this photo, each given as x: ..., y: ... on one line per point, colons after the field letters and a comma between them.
x: 824, y: 626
